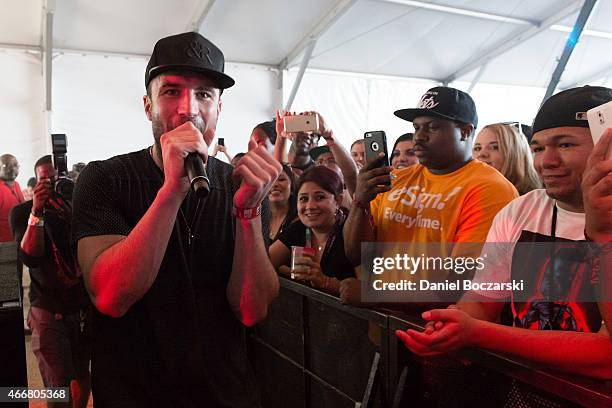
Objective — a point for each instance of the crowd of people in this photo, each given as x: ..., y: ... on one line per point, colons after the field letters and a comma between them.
x: 174, y: 278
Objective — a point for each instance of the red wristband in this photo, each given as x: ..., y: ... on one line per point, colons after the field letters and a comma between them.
x: 247, y: 213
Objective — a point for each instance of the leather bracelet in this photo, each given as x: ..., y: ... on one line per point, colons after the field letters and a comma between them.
x: 35, y: 221
x: 246, y: 213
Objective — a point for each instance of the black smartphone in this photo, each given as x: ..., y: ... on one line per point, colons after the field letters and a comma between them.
x: 376, y: 142
x: 221, y: 141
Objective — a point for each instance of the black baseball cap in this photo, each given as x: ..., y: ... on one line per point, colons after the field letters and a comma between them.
x: 443, y: 102
x: 188, y: 51
x: 315, y: 152
x: 569, y: 107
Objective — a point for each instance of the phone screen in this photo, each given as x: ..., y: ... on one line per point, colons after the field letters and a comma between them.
x: 221, y: 141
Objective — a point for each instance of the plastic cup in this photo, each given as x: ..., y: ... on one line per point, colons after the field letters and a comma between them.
x: 297, y: 255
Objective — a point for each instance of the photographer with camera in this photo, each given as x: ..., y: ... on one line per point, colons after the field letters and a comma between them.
x: 58, y: 299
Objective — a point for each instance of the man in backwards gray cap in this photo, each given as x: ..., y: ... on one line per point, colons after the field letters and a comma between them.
x: 555, y: 315
x: 173, y: 277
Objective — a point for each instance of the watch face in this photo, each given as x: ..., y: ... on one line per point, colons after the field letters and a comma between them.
x: 35, y: 221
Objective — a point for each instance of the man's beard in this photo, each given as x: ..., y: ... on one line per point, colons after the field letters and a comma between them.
x: 159, y: 128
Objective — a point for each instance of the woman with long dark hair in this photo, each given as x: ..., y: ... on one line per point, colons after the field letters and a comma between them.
x: 283, y: 201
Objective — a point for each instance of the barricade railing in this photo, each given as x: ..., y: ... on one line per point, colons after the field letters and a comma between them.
x: 313, y: 351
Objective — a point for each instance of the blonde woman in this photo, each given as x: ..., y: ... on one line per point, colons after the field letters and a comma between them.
x: 506, y: 149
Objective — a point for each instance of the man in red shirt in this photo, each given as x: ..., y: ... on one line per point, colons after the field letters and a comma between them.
x: 10, y: 193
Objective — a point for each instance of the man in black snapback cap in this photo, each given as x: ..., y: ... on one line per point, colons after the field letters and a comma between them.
x: 443, y: 102
x: 562, y: 142
x: 448, y: 118
x: 166, y: 270
x: 555, y: 315
x: 188, y: 52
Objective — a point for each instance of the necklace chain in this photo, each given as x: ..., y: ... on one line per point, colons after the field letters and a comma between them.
x: 190, y: 235
x: 188, y: 225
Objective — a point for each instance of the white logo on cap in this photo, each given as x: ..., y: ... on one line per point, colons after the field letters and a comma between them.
x: 427, y: 102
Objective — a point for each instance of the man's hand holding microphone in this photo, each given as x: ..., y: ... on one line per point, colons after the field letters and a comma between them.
x: 176, y: 146
x: 257, y: 170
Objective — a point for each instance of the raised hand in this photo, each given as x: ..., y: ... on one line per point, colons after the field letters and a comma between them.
x: 42, y: 191
x: 280, y: 125
x: 257, y: 171
x: 372, y: 180
x: 324, y: 130
x: 176, y: 145
x: 597, y: 191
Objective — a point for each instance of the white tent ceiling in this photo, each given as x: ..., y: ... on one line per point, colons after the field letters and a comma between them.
x: 440, y: 40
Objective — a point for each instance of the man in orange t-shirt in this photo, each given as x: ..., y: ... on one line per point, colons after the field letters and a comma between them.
x: 10, y: 193
x: 424, y: 206
x: 447, y: 197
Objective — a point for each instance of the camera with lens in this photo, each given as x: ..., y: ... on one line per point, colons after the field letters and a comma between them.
x: 63, y: 185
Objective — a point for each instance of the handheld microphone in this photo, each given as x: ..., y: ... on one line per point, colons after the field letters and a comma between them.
x: 194, y: 166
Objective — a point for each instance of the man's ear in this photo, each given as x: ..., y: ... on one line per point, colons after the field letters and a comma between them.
x: 219, y: 106
x: 467, y: 130
x: 147, y: 105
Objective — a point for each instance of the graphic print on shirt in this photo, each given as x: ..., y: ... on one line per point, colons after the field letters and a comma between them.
x: 420, y: 200
x: 570, y: 277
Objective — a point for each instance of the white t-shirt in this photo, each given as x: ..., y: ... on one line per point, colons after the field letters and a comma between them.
x: 562, y: 271
x: 531, y: 212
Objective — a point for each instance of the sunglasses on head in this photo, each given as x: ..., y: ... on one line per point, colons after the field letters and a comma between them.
x: 520, y: 127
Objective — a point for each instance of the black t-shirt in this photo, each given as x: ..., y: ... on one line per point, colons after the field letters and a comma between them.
x: 573, y: 278
x: 54, y: 283
x: 289, y: 218
x: 310, y: 163
x: 181, y: 344
x: 334, y: 262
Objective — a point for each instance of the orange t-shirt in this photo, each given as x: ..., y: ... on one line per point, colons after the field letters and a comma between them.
x: 455, y: 207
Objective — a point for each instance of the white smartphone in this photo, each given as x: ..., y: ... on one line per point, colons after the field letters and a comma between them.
x: 600, y: 118
x: 301, y: 123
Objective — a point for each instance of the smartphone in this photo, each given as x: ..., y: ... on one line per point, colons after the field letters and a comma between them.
x: 375, y: 142
x: 221, y: 141
x: 600, y: 118
x: 301, y: 123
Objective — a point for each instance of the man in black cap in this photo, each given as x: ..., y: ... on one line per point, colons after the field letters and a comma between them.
x: 174, y: 277
x: 555, y: 315
x: 447, y: 197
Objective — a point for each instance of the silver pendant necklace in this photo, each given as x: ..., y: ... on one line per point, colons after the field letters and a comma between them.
x: 188, y: 225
